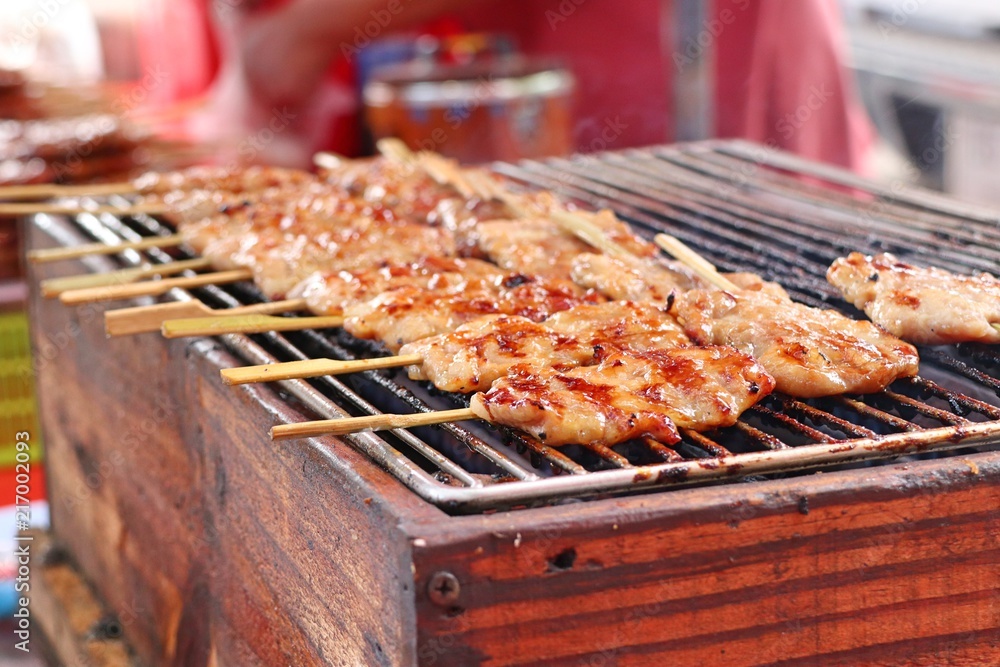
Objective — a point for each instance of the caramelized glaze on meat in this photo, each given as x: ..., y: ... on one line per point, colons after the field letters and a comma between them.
x: 411, y: 313
x: 810, y: 352
x: 286, y: 237
x: 627, y: 395
x: 649, y: 279
x: 630, y: 278
x: 329, y: 293
x: 638, y: 325
x: 924, y: 306
x: 538, y: 247
x: 244, y: 179
x: 479, y: 352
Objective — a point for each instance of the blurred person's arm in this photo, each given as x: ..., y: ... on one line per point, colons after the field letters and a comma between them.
x: 285, y: 52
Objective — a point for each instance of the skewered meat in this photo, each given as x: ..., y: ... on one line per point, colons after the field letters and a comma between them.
x: 627, y: 395
x: 475, y: 354
x: 619, y: 232
x: 224, y: 179
x: 630, y: 278
x: 810, y: 352
x: 621, y: 324
x: 328, y: 293
x: 539, y: 247
x: 413, y: 194
x: 286, y: 235
x: 641, y: 279
x: 279, y: 266
x: 411, y: 313
x: 924, y: 306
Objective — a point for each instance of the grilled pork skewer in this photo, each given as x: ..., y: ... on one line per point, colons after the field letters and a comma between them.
x: 924, y: 306
x: 409, y: 314
x: 809, y: 351
x: 628, y: 395
x: 475, y: 354
x: 329, y: 292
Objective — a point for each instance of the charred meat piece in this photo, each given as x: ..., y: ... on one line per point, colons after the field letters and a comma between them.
x: 328, y: 293
x: 628, y: 395
x: 810, y: 352
x: 539, y: 247
x: 924, y: 306
x: 650, y: 279
x: 411, y: 313
x: 479, y: 352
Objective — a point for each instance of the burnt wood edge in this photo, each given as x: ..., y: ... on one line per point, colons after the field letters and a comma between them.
x: 75, y: 627
x: 350, y: 475
x: 471, y: 572
x: 683, y: 508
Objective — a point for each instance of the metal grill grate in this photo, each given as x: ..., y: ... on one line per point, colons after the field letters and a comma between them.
x: 744, y: 208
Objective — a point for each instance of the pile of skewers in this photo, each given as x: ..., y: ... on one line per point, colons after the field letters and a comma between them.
x: 560, y: 323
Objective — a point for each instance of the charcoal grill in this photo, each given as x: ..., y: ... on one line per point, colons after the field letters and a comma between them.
x: 744, y: 207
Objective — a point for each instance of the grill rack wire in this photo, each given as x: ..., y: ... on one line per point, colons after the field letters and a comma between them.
x: 745, y: 208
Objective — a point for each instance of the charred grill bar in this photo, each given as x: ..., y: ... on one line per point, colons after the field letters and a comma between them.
x: 742, y: 207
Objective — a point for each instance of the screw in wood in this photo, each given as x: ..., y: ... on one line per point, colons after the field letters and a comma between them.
x: 443, y: 589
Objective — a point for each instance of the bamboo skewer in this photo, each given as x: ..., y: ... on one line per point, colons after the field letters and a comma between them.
x: 394, y: 149
x: 444, y: 171
x: 313, y: 368
x: 244, y: 324
x: 75, y: 252
x: 147, y: 319
x: 51, y: 190
x: 372, y: 423
x: 329, y: 160
x: 55, y: 208
x: 53, y: 287
x: 701, y: 266
x: 152, y: 287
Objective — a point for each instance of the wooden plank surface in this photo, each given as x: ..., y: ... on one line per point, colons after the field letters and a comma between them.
x: 224, y: 547
x: 895, y: 565
x: 75, y: 627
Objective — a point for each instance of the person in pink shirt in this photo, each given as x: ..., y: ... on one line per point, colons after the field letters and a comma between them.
x: 779, y: 72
